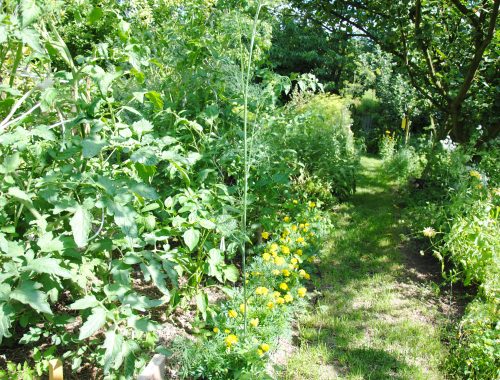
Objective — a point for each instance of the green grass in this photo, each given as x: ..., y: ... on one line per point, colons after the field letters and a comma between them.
x: 371, y: 321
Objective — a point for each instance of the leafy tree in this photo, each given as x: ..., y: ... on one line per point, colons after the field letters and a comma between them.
x: 447, y: 47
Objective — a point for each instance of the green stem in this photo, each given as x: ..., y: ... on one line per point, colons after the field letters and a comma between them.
x: 16, y: 64
x: 246, y: 162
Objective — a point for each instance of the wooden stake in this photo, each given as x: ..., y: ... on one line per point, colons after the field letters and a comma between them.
x: 56, y: 370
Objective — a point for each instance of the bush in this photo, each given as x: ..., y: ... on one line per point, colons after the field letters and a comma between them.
x: 320, y: 133
x: 457, y: 206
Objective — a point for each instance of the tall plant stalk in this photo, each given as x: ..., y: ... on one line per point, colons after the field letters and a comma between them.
x: 246, y: 161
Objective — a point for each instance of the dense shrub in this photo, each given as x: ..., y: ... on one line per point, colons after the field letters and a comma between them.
x: 320, y: 133
x: 457, y: 205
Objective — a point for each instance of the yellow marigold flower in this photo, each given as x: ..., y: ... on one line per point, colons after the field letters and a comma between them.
x: 270, y: 305
x: 312, y: 204
x: 266, y: 256
x: 302, y: 273
x: 300, y: 240
x: 283, y: 286
x: 280, y: 300
x: 261, y: 291
x: 475, y: 174
x: 286, y: 219
x: 227, y: 331
x: 274, y: 247
x: 260, y: 352
x: 278, y: 260
x: 285, y: 272
x: 307, y: 224
x: 265, y: 235
x: 294, y: 260
x: 305, y: 229
x: 242, y: 308
x: 291, y: 266
x: 216, y: 330
x: 301, y: 225
x: 288, y: 297
x: 264, y: 347
x: 276, y: 294
x: 285, y: 250
x: 307, y: 276
x: 232, y: 313
x: 301, y: 292
x: 230, y: 340
x: 254, y: 322
x: 312, y: 234
x: 295, y: 202
x: 276, y: 272
x: 429, y: 232
x: 294, y: 228
x: 299, y: 252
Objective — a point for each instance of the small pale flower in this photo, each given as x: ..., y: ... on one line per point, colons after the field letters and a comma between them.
x: 294, y: 260
x: 242, y: 308
x: 270, y: 305
x: 301, y: 292
x: 280, y: 300
x: 429, y: 232
x: 288, y: 297
x: 276, y: 272
x: 254, y: 322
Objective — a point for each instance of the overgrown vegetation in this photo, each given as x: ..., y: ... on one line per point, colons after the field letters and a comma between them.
x: 149, y: 154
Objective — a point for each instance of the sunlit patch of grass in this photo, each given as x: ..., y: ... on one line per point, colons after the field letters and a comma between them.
x: 364, y: 326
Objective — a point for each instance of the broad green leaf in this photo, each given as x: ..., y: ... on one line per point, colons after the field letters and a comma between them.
x: 113, y: 347
x: 81, y: 225
x: 10, y: 163
x: 29, y: 12
x: 95, y: 14
x: 155, y: 270
x: 231, y: 273
x: 16, y: 192
x: 125, y: 218
x: 139, y: 302
x: 5, y: 321
x: 215, y: 259
x: 47, y: 243
x: 155, y: 98
x: 94, y: 323
x: 205, y: 223
x: 28, y: 294
x: 142, y: 126
x: 191, y: 238
x: 145, y: 156
x: 92, y: 147
x: 30, y: 37
x: 48, y: 265
x: 202, y: 303
x: 4, y: 292
x: 84, y: 303
x: 145, y: 191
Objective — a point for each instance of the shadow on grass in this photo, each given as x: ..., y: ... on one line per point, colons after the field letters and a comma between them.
x: 358, y: 327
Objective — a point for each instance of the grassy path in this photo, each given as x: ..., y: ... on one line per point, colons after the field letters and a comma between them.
x: 375, y: 318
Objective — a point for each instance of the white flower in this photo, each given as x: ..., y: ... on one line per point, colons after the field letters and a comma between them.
x: 429, y: 232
